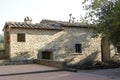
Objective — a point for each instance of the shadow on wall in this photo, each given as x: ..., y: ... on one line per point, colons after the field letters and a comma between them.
x: 88, y: 61
x: 63, y: 47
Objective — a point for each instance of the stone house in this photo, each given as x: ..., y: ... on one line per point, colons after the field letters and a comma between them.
x: 51, y: 40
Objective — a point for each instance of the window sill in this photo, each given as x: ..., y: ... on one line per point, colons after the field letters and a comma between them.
x: 77, y: 53
x: 20, y: 41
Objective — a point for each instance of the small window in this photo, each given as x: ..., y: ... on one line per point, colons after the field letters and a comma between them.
x: 21, y: 37
x: 78, y: 48
x: 118, y: 49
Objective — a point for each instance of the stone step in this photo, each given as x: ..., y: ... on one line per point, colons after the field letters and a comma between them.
x: 8, y: 62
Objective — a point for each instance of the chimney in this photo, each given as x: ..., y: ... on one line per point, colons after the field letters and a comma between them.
x: 28, y: 20
x: 70, y: 20
x: 73, y: 19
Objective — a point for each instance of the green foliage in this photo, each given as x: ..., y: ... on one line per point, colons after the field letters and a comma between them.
x: 105, y: 15
x: 1, y: 42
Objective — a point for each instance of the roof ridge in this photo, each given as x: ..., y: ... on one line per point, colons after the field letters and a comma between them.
x: 48, y: 20
x: 57, y: 21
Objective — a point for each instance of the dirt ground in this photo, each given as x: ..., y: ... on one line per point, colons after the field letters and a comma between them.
x: 113, y: 74
x: 5, y: 71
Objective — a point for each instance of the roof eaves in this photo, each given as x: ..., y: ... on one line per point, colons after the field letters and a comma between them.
x: 39, y: 28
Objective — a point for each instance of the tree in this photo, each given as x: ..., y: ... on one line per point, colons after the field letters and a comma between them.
x: 105, y: 15
x: 1, y: 42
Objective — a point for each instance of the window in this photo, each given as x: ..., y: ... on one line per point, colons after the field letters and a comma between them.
x: 118, y: 49
x: 47, y: 55
x: 78, y: 48
x: 21, y: 37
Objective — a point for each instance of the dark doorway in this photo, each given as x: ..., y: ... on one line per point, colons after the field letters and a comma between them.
x: 47, y: 55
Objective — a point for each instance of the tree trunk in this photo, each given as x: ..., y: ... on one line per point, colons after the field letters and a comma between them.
x: 105, y: 49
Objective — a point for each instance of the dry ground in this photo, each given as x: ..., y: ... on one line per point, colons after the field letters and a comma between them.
x: 57, y: 75
x: 114, y: 74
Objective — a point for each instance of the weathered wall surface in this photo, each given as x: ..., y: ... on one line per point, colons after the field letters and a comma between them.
x: 113, y: 52
x: 62, y: 43
x: 7, y: 42
x: 2, y: 54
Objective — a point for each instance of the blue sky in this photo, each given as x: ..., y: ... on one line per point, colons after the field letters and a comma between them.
x: 16, y: 10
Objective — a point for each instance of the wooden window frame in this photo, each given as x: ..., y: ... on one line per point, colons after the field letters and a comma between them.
x: 21, y: 37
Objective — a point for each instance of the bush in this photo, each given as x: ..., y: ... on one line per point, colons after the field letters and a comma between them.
x: 1, y: 42
x: 1, y: 46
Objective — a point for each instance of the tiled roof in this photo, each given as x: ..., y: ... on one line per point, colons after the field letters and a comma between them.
x: 46, y: 24
x: 35, y: 26
x: 65, y: 24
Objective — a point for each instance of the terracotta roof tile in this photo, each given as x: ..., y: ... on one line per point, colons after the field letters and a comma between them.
x: 46, y: 24
x: 65, y: 24
x: 39, y: 25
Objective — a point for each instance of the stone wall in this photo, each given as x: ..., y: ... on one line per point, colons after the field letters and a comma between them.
x: 62, y: 44
x: 2, y: 54
x: 57, y: 64
x: 18, y: 62
x: 112, y: 49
